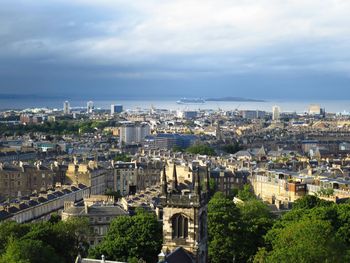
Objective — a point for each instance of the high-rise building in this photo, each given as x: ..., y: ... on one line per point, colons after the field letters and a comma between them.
x: 90, y: 106
x: 132, y: 133
x: 116, y: 109
x: 314, y: 109
x: 66, y: 107
x: 276, y: 113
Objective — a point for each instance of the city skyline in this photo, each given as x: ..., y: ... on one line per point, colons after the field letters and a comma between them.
x: 173, y: 49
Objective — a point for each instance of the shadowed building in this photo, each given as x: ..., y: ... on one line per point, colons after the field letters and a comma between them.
x: 185, y: 217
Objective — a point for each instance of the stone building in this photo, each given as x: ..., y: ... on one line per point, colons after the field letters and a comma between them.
x: 226, y: 181
x: 130, y: 177
x: 100, y: 210
x: 21, y: 179
x: 185, y: 216
x: 88, y: 173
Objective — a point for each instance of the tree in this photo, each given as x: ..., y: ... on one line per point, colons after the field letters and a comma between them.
x: 223, y: 229
x: 313, y: 231
x: 128, y: 238
x: 201, y: 149
x: 246, y: 193
x: 256, y: 220
x: 122, y: 157
x: 29, y: 251
x: 308, y: 240
x: 12, y: 230
x: 177, y: 148
x: 212, y: 186
x: 232, y: 148
x: 310, y: 201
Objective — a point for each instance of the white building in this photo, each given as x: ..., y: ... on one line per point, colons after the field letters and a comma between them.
x: 90, y: 106
x: 134, y: 133
x: 276, y: 113
x: 66, y: 107
x: 187, y: 114
x: 314, y: 109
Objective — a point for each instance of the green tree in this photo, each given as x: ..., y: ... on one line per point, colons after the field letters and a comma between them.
x: 310, y: 201
x: 139, y: 237
x: 29, y: 251
x: 308, y: 240
x: 246, y: 193
x: 232, y: 148
x: 122, y: 157
x: 256, y: 220
x: 313, y: 231
x: 11, y: 230
x: 177, y: 148
x: 223, y: 229
x: 202, y: 149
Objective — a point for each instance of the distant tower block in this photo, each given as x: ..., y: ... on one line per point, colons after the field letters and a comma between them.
x: 116, y: 109
x: 276, y: 113
x: 90, y: 107
x: 66, y: 108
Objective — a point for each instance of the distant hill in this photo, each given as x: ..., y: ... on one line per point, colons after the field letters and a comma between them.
x: 234, y: 99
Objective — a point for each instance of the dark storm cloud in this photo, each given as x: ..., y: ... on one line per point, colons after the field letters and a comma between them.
x: 263, y: 49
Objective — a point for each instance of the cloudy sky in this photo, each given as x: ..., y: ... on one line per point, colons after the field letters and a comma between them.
x: 147, y: 48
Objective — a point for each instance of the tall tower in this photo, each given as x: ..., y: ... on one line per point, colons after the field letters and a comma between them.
x: 66, y: 108
x: 185, y: 216
x: 90, y: 107
x: 276, y: 113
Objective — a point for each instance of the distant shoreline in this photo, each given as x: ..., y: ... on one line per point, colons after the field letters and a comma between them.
x: 234, y: 99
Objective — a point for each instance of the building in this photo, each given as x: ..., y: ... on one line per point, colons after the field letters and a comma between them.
x: 100, y: 210
x: 185, y: 217
x: 40, y: 206
x: 22, y: 179
x: 279, y: 188
x: 66, y: 108
x: 276, y: 113
x: 89, y: 174
x: 90, y: 107
x: 134, y: 133
x: 187, y: 114
x: 314, y: 109
x: 30, y: 119
x: 169, y: 141
x: 253, y: 114
x: 125, y: 178
x: 226, y: 181
x: 116, y: 109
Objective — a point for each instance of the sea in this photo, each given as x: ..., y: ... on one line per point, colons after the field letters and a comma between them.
x: 298, y: 106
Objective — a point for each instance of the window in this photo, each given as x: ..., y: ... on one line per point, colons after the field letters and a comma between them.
x: 179, y: 226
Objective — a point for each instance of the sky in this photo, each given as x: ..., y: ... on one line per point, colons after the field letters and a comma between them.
x: 174, y: 48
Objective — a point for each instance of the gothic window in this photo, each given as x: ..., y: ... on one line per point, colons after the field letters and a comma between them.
x: 179, y: 226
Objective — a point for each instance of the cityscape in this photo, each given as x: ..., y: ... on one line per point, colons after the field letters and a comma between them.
x: 180, y: 131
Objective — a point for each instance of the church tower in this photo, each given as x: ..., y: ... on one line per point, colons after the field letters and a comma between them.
x: 185, y: 215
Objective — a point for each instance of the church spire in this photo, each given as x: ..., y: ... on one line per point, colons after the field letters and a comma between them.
x: 208, y: 178
x: 164, y: 182
x: 175, y: 184
x: 197, y: 183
